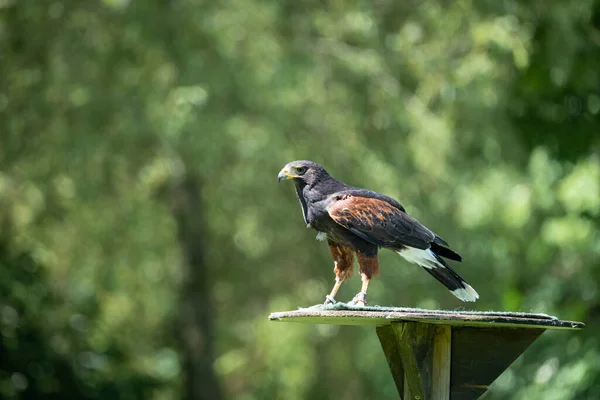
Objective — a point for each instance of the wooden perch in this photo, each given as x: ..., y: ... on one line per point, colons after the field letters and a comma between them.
x: 440, y: 355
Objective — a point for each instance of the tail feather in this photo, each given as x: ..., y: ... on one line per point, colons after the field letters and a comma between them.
x: 440, y: 270
x: 445, y: 252
x: 457, y: 286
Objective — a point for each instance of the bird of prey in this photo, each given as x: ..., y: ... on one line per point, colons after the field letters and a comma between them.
x: 356, y: 220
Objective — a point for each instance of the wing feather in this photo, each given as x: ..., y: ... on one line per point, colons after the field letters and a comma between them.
x: 379, y: 222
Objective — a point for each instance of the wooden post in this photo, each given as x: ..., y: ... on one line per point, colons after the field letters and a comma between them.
x: 441, y: 363
x: 440, y: 355
x: 419, y: 358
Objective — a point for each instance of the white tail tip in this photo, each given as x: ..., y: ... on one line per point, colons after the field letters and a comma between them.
x: 466, y: 294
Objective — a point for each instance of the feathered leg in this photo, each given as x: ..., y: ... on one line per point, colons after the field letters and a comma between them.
x: 343, y: 258
x: 369, y: 266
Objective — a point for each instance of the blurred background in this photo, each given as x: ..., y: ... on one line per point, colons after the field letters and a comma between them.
x: 144, y: 238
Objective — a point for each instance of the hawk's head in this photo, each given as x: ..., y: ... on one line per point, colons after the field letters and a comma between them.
x: 302, y: 171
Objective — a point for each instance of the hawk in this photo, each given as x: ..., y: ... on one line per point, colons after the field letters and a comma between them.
x: 356, y: 220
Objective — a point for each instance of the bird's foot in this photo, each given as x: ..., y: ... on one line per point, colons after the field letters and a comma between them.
x: 359, y: 300
x: 329, y: 300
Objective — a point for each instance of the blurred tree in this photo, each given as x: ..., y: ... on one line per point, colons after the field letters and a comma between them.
x: 196, y: 316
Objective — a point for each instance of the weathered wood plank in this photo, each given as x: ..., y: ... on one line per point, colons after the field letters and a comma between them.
x: 453, y: 318
x: 387, y: 338
x: 440, y: 380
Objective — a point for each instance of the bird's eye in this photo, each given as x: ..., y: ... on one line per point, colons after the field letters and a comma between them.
x: 300, y: 170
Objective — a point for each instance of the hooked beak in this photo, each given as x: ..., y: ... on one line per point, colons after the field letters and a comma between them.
x: 284, y: 174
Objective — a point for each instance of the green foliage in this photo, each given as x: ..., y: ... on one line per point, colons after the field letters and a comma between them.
x: 480, y: 117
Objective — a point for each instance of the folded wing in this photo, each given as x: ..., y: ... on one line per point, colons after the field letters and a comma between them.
x: 380, y: 222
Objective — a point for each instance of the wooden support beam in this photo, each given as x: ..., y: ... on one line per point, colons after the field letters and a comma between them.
x: 416, y: 350
x: 387, y: 338
x: 429, y: 362
x: 480, y: 355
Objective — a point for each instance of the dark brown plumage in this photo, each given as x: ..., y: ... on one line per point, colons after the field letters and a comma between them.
x: 361, y: 221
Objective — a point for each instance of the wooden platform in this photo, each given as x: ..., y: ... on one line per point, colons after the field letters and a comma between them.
x: 439, y: 354
x: 343, y: 314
